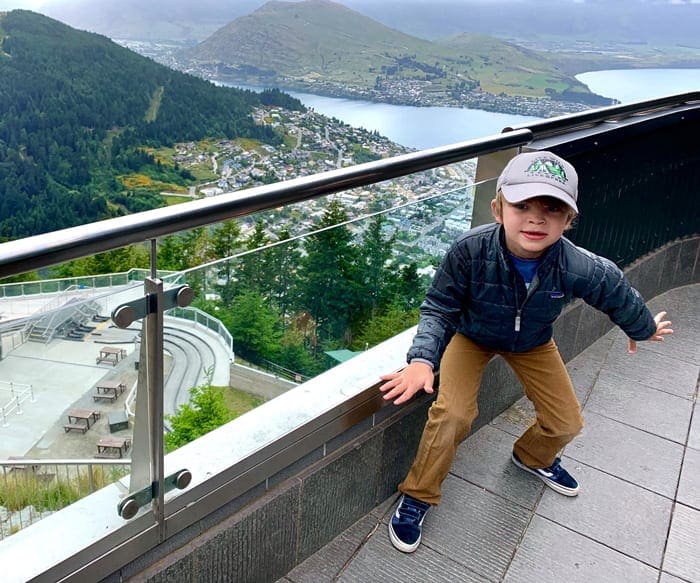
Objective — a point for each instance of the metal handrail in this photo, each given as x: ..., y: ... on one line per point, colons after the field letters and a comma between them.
x: 31, y: 462
x: 26, y: 288
x: 569, y: 122
x: 48, y: 249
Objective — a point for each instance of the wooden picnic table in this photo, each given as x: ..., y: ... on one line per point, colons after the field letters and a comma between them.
x: 111, y: 354
x: 21, y: 467
x: 109, y: 390
x: 76, y: 418
x: 113, y: 446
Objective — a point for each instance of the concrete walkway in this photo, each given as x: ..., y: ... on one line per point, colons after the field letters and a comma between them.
x: 636, y: 519
x: 63, y: 375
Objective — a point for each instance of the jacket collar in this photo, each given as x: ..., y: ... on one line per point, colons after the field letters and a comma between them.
x: 504, y: 257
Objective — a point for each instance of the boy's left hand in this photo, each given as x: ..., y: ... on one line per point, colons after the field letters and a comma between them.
x: 662, y: 329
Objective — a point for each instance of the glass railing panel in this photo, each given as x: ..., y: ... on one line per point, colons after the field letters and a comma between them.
x: 33, y: 489
x: 67, y: 381
x: 274, y: 308
x: 301, y: 294
x: 31, y: 288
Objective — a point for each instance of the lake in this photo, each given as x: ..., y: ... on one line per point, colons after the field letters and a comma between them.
x: 429, y: 127
x: 415, y: 127
x: 630, y: 85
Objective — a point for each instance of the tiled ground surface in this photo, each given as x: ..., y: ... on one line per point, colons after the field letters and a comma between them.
x: 636, y: 519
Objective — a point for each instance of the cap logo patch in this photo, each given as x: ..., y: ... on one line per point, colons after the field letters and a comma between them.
x: 547, y: 168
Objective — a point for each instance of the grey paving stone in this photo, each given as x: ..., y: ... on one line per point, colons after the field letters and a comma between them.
x: 325, y: 564
x: 682, y: 300
x: 601, y: 533
x: 652, y: 410
x: 681, y: 345
x: 610, y: 511
x: 694, y: 435
x: 652, y: 369
x: 550, y: 552
x: 516, y: 418
x: 681, y: 307
x: 689, y: 486
x: 682, y: 558
x: 484, y: 460
x: 628, y: 453
x: 379, y: 561
x: 666, y: 578
x: 475, y: 528
x: 584, y: 369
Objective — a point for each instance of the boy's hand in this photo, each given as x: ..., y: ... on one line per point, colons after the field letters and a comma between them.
x: 402, y: 385
x: 662, y: 329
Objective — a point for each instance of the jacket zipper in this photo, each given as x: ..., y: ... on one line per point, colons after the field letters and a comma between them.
x: 518, y: 312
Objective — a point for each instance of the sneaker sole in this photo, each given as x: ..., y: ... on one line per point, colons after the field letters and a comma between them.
x: 553, y: 485
x: 399, y: 544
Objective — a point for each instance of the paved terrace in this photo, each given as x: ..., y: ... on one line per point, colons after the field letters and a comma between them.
x: 636, y: 519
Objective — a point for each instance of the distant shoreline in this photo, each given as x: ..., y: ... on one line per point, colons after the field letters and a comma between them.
x: 507, y: 104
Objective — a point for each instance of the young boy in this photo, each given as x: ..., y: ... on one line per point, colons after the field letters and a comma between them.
x: 498, y: 290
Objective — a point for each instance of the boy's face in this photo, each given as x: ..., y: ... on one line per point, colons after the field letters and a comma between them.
x: 533, y: 225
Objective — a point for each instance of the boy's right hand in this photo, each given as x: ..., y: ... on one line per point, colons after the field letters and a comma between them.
x: 402, y: 385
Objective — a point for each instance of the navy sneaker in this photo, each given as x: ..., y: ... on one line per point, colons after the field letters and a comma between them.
x: 405, y: 525
x: 556, y: 477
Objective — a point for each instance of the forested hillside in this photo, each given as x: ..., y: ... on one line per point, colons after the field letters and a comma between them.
x: 76, y: 111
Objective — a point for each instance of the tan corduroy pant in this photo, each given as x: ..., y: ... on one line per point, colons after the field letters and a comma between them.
x: 546, y: 383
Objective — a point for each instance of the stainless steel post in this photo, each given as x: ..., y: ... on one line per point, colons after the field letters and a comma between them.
x: 154, y: 347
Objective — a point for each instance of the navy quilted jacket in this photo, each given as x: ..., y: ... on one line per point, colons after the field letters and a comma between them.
x: 478, y: 292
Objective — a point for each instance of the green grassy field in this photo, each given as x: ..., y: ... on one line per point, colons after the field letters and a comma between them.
x: 237, y: 401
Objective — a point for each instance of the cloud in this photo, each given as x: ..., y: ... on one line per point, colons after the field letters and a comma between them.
x: 34, y: 5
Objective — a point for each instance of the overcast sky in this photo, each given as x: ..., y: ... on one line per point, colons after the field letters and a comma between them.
x: 46, y: 5
x: 29, y: 4
x: 37, y: 4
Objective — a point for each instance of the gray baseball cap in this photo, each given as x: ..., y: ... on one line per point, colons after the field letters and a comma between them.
x: 540, y: 173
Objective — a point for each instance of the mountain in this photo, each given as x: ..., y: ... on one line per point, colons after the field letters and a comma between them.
x: 159, y: 20
x: 658, y: 23
x: 324, y: 47
x: 78, y: 112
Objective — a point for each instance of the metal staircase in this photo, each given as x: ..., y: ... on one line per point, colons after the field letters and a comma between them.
x: 69, y: 321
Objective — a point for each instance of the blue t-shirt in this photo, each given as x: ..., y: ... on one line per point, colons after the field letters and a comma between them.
x: 526, y: 267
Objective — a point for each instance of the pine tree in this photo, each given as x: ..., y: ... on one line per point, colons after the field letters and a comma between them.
x: 283, y: 263
x: 225, y: 242
x: 253, y: 272
x: 375, y: 253
x: 329, y: 284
